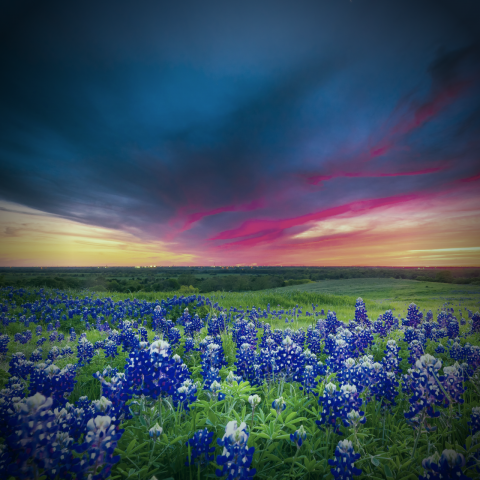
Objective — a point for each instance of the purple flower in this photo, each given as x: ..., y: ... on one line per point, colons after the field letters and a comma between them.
x: 299, y: 436
x: 236, y: 457
x: 343, y: 465
x: 200, y: 450
x: 448, y: 465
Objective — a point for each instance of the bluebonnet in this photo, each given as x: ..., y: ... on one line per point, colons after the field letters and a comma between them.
x: 361, y: 340
x: 36, y: 355
x: 299, y: 436
x: 476, y: 322
x: 85, y: 351
x: 456, y: 352
x: 4, y: 339
x: 165, y: 373
x: 212, y: 361
x: 139, y: 365
x: 13, y: 392
x: 51, y: 381
x: 379, y: 327
x: 128, y: 338
x: 173, y: 336
x: 289, y: 360
x: 66, y: 351
x: 313, y: 340
x: 336, y: 404
x: 236, y: 457
x: 416, y: 351
x: 453, y: 327
x: 116, y: 390
x: 210, y: 376
x: 391, y: 360
x: 475, y: 420
x: 344, y: 463
x: 186, y: 394
x: 330, y: 325
x: 73, y: 335
x: 361, y: 316
x: 385, y: 385
x: 54, y: 353
x: 155, y: 431
x: 41, y: 341
x: 200, y: 450
x: 389, y: 320
x: 19, y: 366
x: 279, y: 405
x: 100, y: 442
x: 231, y: 377
x: 189, y: 345
x: 110, y: 349
x: 36, y: 442
x: 414, y: 316
x: 452, y: 382
x: 245, y: 361
x: 448, y: 465
x: 339, y: 353
x: 423, y: 383
x: 308, y: 382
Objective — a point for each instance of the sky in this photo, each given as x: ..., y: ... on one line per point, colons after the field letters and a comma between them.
x: 267, y: 132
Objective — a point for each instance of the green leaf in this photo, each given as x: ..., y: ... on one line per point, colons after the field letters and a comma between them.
x: 139, y: 447
x: 290, y: 416
x: 212, y: 417
x: 176, y: 440
x: 375, y: 461
x: 131, y: 445
x: 274, y: 458
x: 388, y: 472
x: 474, y: 448
x: 468, y: 442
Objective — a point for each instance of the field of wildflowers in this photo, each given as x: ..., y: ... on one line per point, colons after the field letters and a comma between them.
x: 271, y: 385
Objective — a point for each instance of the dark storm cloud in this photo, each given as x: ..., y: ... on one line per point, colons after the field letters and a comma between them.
x: 159, y: 118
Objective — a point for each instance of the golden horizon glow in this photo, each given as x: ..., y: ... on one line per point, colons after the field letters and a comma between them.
x: 395, y: 236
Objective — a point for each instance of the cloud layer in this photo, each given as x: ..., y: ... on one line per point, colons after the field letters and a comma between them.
x: 239, y: 133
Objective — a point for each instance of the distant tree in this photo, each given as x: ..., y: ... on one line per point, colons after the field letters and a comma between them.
x: 444, y: 276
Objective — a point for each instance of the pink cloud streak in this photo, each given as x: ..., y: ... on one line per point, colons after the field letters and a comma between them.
x: 316, y: 179
x: 270, y: 229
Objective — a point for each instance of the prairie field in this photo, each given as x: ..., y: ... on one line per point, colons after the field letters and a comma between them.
x: 279, y: 383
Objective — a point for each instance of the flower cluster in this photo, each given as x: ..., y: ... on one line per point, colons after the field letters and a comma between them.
x: 99, y: 444
x: 236, y: 457
x: 337, y: 404
x: 299, y: 436
x: 199, y: 448
x: 344, y: 463
x: 475, y: 420
x: 85, y: 351
x: 447, y: 465
x: 414, y: 316
x: 423, y: 383
x: 361, y: 317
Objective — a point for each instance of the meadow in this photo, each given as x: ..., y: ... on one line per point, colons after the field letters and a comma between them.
x: 304, y: 381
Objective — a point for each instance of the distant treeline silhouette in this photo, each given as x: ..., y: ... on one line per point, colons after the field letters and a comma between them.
x: 208, y: 279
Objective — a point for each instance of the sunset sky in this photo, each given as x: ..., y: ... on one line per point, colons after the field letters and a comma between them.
x: 240, y: 132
